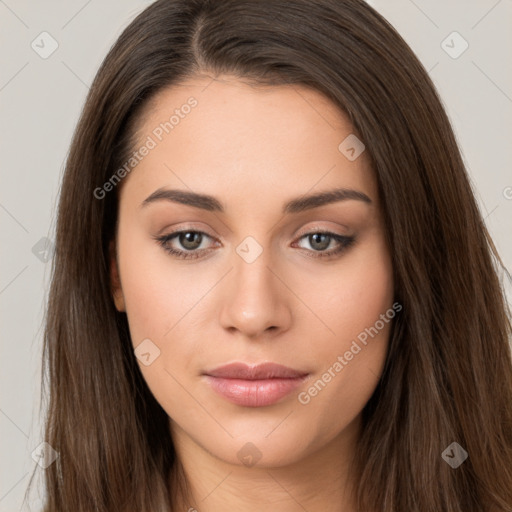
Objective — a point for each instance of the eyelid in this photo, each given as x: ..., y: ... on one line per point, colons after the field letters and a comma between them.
x: 319, y: 228
x: 178, y: 227
x: 303, y: 231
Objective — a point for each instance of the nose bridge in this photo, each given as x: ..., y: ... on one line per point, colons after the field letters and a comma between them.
x: 256, y: 298
x: 252, y: 264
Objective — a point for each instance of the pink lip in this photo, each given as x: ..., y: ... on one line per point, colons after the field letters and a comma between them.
x: 254, y: 386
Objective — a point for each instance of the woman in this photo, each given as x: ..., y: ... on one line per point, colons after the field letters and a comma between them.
x: 272, y: 285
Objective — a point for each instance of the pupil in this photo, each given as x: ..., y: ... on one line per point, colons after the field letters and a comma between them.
x: 317, y: 236
x: 190, y: 240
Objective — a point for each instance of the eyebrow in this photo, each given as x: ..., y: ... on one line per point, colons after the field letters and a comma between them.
x: 212, y: 204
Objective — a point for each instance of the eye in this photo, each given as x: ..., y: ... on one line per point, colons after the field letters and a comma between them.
x: 192, y: 240
x: 321, y: 240
x: 189, y: 239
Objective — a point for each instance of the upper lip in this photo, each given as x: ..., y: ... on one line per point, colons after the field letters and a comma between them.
x: 255, y: 372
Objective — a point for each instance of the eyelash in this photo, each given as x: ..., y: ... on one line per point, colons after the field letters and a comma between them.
x: 344, y: 241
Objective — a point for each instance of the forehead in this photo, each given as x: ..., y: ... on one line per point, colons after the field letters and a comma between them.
x: 217, y: 135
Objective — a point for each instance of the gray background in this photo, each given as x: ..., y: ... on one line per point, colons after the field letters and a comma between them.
x: 40, y: 101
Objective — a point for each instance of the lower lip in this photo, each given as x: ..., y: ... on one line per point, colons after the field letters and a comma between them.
x: 253, y: 393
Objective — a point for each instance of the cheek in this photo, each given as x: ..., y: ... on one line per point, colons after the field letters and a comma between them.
x: 353, y: 297
x: 157, y: 294
x: 158, y: 298
x: 359, y: 309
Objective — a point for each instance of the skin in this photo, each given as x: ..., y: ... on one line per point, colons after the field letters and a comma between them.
x: 254, y: 148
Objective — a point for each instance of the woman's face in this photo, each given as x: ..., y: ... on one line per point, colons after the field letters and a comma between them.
x: 250, y: 282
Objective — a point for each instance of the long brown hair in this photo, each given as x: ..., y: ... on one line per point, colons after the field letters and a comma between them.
x: 448, y: 372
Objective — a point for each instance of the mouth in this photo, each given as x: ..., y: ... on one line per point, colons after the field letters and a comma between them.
x: 254, y: 386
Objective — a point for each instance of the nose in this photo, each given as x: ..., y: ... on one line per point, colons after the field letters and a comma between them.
x: 256, y: 301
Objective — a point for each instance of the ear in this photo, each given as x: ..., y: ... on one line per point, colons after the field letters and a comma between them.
x: 115, y: 282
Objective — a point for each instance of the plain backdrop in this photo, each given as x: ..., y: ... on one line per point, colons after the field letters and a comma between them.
x: 464, y: 44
